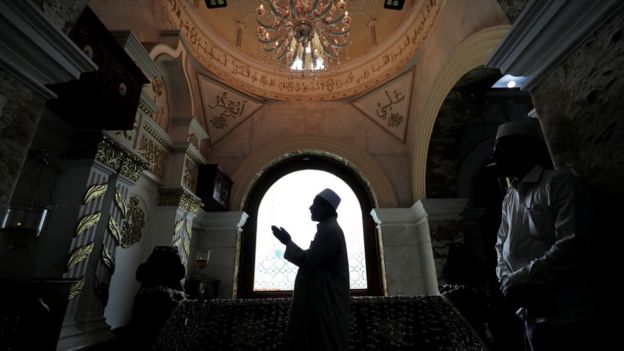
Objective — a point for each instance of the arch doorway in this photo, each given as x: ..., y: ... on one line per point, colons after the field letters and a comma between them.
x: 282, y: 196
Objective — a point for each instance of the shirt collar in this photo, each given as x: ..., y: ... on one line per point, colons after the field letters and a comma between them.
x: 534, y: 175
x: 325, y: 223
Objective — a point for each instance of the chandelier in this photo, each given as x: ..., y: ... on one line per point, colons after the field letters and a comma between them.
x: 303, y: 35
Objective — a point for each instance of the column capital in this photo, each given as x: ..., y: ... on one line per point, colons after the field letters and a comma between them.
x: 221, y: 220
x: 400, y: 216
x: 179, y: 197
x: 407, y: 254
x: 445, y: 209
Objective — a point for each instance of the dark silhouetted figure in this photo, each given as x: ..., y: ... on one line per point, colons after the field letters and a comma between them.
x: 464, y: 285
x: 320, y: 311
x: 160, y: 293
x: 542, y: 242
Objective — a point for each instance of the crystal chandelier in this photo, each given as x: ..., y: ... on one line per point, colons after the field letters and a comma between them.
x: 304, y: 35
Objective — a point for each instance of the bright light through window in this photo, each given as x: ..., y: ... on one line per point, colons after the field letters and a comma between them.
x: 286, y: 204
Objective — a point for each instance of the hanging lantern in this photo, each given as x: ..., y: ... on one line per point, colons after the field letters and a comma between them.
x: 21, y: 225
x: 23, y: 220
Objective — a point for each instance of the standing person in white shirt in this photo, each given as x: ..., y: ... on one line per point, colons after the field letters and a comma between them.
x: 542, y: 242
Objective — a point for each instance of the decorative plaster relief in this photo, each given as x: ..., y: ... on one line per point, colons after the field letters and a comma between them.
x: 355, y: 77
x: 189, y: 177
x: 224, y: 108
x: 192, y: 138
x: 133, y: 224
x: 120, y: 203
x: 160, y: 97
x: 179, y: 197
x: 87, y: 222
x: 75, y: 289
x: 108, y: 260
x: 389, y: 105
x: 111, y: 154
x: 183, y: 240
x: 93, y: 192
x: 78, y: 255
x: 155, y: 155
x: 114, y: 230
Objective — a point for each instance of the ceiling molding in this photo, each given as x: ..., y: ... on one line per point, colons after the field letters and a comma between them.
x: 35, y: 51
x: 355, y: 77
x: 545, y: 32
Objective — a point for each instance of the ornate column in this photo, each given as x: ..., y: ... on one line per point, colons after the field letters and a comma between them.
x: 407, y: 252
x: 172, y: 155
x: 33, y: 53
x: 220, y: 232
x: 174, y: 218
x: 95, y: 209
x: 187, y: 135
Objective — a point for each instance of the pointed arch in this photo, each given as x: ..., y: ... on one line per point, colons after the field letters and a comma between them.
x: 469, y: 54
x: 365, y: 166
x: 286, y: 166
x: 174, y: 65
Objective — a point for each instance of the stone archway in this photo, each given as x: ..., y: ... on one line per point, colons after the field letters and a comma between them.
x: 367, y: 167
x: 469, y: 54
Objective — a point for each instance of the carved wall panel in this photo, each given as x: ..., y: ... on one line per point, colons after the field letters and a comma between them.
x: 85, y: 241
x: 133, y: 223
x: 159, y: 91
x: 154, y: 153
x: 189, y: 178
x: 224, y: 108
x: 389, y: 106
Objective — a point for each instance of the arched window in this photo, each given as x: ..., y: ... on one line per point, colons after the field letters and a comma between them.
x: 286, y: 204
x: 282, y: 196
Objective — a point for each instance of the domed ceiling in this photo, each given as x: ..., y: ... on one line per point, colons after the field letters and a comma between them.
x: 383, y: 41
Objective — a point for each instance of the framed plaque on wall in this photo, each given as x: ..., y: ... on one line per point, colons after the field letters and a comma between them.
x: 214, y: 188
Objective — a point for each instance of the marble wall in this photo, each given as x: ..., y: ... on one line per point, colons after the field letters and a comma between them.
x: 444, y: 233
x: 512, y: 8
x: 62, y: 13
x: 338, y: 121
x: 145, y: 19
x: 580, y: 107
x: 18, y: 122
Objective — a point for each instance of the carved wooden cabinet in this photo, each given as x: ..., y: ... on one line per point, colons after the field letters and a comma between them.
x: 214, y: 188
x: 108, y: 97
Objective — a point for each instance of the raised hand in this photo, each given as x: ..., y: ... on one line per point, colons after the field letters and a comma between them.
x: 281, y: 234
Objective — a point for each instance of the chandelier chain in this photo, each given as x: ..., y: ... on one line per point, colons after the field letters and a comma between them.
x: 303, y: 35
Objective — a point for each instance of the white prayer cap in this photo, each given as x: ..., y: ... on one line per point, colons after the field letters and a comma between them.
x: 527, y: 128
x: 331, y: 197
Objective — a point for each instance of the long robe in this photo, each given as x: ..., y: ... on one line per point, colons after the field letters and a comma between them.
x: 320, y: 311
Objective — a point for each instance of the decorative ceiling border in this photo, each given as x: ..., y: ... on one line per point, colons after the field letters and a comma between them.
x: 353, y: 78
